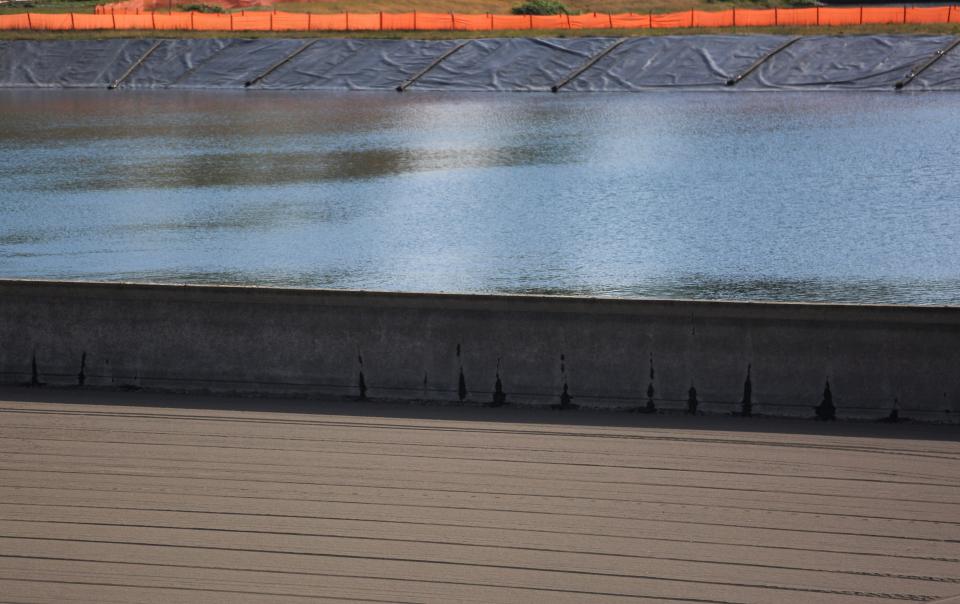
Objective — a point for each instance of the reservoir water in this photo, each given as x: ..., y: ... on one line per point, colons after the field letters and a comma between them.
x: 843, y: 197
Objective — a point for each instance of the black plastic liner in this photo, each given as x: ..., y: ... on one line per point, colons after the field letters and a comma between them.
x: 942, y: 75
x: 511, y: 64
x: 757, y: 62
x: 356, y: 64
x: 173, y: 61
x: 684, y: 61
x: 238, y: 63
x: 854, y: 62
x: 68, y: 63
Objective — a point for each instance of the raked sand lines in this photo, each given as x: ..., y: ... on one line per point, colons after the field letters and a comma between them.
x: 140, y: 498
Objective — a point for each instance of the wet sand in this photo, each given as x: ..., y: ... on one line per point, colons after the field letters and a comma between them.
x: 136, y: 497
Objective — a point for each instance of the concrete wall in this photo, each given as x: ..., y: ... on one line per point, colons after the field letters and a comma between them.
x: 261, y: 340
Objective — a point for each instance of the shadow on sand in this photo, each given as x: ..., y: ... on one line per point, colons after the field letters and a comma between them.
x: 399, y: 410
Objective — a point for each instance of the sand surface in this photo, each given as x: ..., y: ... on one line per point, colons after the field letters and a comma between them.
x: 135, y: 497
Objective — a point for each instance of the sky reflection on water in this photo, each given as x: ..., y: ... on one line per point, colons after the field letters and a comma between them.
x: 748, y: 196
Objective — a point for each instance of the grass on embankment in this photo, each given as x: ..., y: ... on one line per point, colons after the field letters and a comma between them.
x: 56, y: 6
x: 953, y: 28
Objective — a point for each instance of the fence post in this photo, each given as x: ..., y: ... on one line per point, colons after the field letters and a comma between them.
x: 904, y: 14
x: 231, y: 21
x: 73, y: 24
x: 113, y: 17
x: 650, y: 19
x: 347, y: 17
x: 734, y: 16
x: 414, y: 20
x: 818, y: 15
x: 29, y: 22
x: 691, y: 17
x: 309, y: 21
x: 381, y: 20
x: 861, y: 14
x: 153, y: 19
x: 610, y: 20
x: 776, y: 17
x: 530, y: 18
x: 453, y: 22
x: 192, y: 26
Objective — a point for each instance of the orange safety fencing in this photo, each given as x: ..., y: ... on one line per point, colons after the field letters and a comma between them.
x: 110, y: 17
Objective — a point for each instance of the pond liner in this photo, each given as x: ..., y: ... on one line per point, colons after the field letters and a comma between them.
x: 68, y: 63
x: 590, y: 63
x: 304, y: 47
x: 594, y: 64
x: 356, y: 64
x: 239, y: 63
x: 412, y: 79
x: 759, y: 62
x: 675, y: 61
x: 845, y: 62
x: 174, y: 60
x: 511, y: 64
x: 943, y: 76
x: 929, y: 64
x: 116, y: 83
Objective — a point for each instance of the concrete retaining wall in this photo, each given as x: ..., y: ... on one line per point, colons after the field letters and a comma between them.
x: 258, y: 340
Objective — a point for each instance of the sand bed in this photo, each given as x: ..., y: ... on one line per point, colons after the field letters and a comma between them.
x: 136, y: 497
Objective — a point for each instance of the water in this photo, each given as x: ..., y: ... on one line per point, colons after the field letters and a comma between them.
x: 747, y: 196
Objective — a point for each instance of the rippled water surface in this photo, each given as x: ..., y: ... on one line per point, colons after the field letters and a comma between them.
x: 751, y: 196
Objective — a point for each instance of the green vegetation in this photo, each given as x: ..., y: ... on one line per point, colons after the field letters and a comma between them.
x: 539, y: 7
x: 201, y: 8
x: 49, y: 6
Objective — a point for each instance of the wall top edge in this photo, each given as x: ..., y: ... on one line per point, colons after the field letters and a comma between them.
x: 254, y: 294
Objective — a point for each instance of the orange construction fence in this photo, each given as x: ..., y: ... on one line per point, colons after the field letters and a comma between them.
x: 108, y: 17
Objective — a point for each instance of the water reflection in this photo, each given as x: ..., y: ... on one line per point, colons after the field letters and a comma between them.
x: 242, y: 169
x: 702, y: 287
x: 842, y: 197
